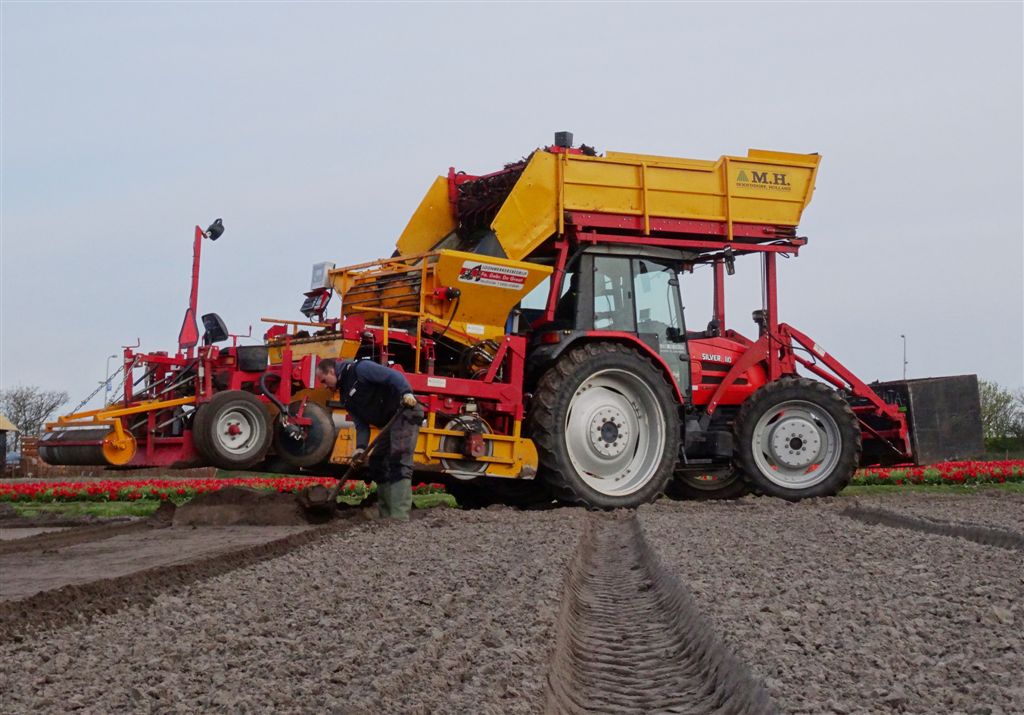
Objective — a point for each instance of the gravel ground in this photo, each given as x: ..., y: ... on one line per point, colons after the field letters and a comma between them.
x: 1001, y: 510
x: 450, y: 613
x: 843, y: 617
x: 457, y: 612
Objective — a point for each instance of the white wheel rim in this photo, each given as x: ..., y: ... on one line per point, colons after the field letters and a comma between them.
x: 238, y: 430
x: 796, y: 444
x: 615, y: 432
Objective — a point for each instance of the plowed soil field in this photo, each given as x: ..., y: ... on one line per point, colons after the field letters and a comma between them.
x: 908, y: 604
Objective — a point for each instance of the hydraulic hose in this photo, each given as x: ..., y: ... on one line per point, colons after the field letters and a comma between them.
x: 269, y: 394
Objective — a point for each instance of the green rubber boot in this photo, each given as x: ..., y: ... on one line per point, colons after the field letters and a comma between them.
x: 395, y: 499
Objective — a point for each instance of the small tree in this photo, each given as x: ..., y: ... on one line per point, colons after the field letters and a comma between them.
x: 1018, y: 409
x: 29, y: 408
x: 1002, y: 412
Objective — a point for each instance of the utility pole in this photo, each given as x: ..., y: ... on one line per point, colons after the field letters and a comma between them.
x: 904, y: 355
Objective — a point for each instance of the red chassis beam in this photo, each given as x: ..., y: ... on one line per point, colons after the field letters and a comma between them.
x: 582, y: 221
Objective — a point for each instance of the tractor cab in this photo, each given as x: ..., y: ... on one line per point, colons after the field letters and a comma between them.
x: 618, y: 290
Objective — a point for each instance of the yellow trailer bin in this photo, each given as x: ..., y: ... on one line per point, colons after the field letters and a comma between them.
x: 764, y: 188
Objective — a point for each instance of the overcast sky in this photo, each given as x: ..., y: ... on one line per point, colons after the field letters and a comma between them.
x: 314, y: 130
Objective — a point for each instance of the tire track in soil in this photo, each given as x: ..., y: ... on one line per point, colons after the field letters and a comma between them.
x: 984, y: 535
x: 72, y: 604
x: 631, y: 640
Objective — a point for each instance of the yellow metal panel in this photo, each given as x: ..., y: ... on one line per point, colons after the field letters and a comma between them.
x: 431, y: 222
x: 530, y: 214
x: 770, y: 190
x: 335, y: 347
x: 651, y: 159
x: 490, y: 287
x: 763, y: 187
x: 512, y: 457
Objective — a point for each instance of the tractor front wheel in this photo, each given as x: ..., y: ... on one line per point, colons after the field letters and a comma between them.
x: 606, y: 426
x: 797, y: 438
x: 232, y: 430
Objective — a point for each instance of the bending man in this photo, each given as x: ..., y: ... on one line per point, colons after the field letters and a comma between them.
x: 374, y: 395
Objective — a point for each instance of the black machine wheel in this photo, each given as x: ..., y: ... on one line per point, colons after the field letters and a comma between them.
x: 316, y: 443
x: 520, y: 493
x: 716, y: 484
x: 232, y: 430
x: 468, y: 494
x: 797, y: 438
x: 606, y: 426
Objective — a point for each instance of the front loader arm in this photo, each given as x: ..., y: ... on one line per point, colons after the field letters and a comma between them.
x: 775, y: 349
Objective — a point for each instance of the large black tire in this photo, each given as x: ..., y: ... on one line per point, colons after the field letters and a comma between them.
x: 606, y: 426
x: 317, y: 442
x: 484, y: 491
x: 520, y: 493
x: 232, y: 430
x: 717, y: 484
x: 469, y: 494
x: 795, y: 439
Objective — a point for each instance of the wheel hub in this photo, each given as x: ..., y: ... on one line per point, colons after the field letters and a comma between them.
x: 609, y: 432
x: 796, y: 442
x: 235, y: 431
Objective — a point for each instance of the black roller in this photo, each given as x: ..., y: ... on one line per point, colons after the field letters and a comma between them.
x: 82, y: 447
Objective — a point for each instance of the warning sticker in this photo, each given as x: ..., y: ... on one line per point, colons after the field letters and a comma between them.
x: 491, y: 275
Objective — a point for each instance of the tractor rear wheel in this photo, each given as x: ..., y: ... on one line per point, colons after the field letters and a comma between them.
x: 316, y: 442
x: 606, y: 426
x: 717, y: 484
x: 797, y: 438
x: 232, y: 430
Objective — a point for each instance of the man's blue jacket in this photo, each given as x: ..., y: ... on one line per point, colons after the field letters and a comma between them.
x: 370, y: 393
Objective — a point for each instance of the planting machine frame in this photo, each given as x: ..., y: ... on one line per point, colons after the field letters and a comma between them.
x: 536, y: 312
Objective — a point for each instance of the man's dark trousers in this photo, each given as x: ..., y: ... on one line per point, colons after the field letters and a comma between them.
x: 391, y: 463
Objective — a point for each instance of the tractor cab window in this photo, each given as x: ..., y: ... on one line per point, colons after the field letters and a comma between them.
x: 658, y: 306
x: 613, y: 294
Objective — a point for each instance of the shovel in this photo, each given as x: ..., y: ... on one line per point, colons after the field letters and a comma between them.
x: 322, y: 501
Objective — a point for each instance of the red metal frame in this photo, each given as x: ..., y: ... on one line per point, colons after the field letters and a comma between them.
x: 188, y: 336
x: 583, y: 220
x: 718, y: 309
x: 156, y: 450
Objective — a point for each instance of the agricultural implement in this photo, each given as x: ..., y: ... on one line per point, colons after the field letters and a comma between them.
x: 205, y: 404
x: 537, y: 313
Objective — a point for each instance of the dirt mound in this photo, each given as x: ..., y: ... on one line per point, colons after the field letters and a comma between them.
x: 240, y: 506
